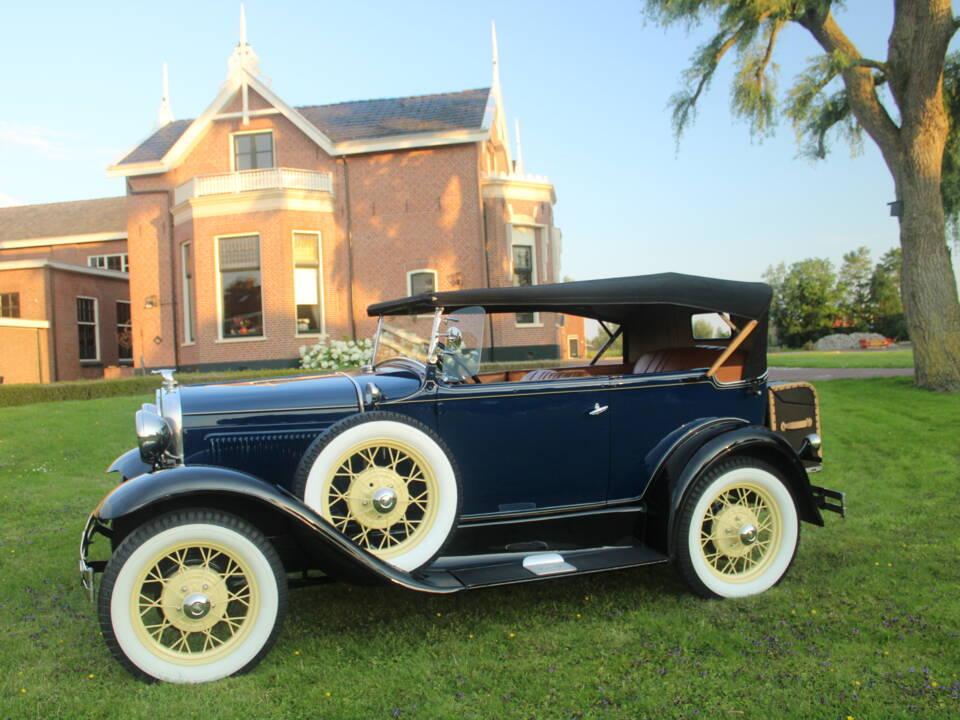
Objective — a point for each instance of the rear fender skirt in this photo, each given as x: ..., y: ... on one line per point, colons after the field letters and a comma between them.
x: 204, y: 482
x: 753, y: 440
x: 129, y: 465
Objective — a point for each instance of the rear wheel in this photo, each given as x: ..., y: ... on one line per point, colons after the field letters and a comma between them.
x: 738, y: 530
x: 191, y: 597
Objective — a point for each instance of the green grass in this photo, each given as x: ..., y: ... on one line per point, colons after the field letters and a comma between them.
x: 874, y: 600
x: 843, y: 359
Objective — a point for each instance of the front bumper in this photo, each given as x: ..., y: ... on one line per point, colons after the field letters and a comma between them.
x: 89, y: 568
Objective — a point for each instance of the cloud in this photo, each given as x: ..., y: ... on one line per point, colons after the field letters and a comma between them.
x: 48, y: 143
x: 7, y: 200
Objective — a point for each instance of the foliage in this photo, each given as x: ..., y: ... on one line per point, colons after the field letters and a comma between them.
x: 597, y: 341
x: 863, y: 625
x: 805, y: 300
x: 886, y: 305
x: 854, y: 288
x: 336, y: 354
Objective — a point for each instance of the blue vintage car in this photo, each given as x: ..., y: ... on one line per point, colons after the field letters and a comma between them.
x: 424, y: 472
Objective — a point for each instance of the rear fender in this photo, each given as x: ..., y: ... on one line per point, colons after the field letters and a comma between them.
x: 207, y: 486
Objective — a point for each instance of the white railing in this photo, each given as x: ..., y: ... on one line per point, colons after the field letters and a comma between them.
x: 250, y: 180
x: 522, y: 177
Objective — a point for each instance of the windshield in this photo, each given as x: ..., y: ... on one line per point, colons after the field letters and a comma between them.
x: 456, y: 341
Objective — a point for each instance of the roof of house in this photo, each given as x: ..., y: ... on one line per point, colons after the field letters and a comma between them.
x: 78, y: 217
x: 357, y: 120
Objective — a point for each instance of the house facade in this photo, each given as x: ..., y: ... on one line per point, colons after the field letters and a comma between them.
x: 64, y: 295
x: 258, y: 227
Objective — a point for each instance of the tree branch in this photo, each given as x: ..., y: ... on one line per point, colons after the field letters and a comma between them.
x: 875, y: 64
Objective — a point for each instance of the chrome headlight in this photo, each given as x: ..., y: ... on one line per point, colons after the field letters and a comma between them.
x: 154, y: 433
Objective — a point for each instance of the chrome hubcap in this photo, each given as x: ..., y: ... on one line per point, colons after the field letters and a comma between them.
x: 748, y: 534
x: 196, y: 606
x: 384, y: 500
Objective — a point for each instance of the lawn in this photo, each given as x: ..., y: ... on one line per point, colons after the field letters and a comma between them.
x: 843, y: 359
x: 865, y: 625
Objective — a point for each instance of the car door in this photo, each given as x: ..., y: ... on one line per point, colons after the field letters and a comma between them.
x: 528, y: 446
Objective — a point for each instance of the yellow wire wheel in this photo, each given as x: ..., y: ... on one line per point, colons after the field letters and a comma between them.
x: 387, y: 483
x: 382, y: 495
x: 738, y: 530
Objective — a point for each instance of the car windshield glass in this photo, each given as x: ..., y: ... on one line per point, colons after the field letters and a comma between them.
x: 398, y: 341
x: 460, y: 344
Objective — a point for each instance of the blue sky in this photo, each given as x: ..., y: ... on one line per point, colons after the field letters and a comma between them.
x: 589, y: 82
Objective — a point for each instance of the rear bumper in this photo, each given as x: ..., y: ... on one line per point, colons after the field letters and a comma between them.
x: 832, y: 500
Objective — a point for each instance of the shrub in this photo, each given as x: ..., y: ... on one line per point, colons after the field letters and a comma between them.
x: 336, y: 354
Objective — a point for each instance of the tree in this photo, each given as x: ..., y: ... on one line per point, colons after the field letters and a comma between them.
x: 842, y: 92
x: 885, y: 296
x: 853, y: 288
x: 805, y: 300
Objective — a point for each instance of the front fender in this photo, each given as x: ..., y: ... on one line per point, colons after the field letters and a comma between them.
x: 207, y: 483
x: 752, y: 440
x: 129, y: 465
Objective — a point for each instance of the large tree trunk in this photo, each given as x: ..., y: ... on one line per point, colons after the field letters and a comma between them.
x: 914, y: 154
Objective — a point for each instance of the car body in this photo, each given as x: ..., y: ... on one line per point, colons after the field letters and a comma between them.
x: 423, y: 472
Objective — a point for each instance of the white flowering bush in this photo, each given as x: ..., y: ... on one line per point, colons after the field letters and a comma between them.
x: 336, y: 354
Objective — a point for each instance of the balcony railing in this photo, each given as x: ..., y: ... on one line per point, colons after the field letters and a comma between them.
x: 250, y: 180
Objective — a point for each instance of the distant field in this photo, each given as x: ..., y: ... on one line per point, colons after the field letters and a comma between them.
x: 866, y: 624
x: 843, y: 359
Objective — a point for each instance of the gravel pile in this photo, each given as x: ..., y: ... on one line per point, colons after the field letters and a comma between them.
x: 841, y: 341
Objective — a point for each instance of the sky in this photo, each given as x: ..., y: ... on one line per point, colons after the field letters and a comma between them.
x: 589, y: 82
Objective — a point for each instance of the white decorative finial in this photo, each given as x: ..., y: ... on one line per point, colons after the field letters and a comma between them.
x: 243, y: 25
x: 518, y: 163
x: 243, y: 58
x: 165, y: 114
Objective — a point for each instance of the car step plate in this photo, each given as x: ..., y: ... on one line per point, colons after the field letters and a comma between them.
x: 547, y: 564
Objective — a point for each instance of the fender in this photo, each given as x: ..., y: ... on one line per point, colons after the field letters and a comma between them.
x: 154, y: 488
x: 129, y: 465
x: 745, y: 440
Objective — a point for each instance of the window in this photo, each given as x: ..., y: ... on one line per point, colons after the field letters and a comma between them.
x: 241, y: 303
x: 523, y: 266
x: 10, y: 305
x: 252, y: 150
x: 88, y: 339
x: 117, y: 262
x: 308, y: 282
x: 421, y: 281
x: 573, y: 346
x: 186, y: 267
x: 710, y: 326
x: 124, y: 334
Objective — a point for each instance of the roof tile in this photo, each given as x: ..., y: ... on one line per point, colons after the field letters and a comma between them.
x: 78, y: 217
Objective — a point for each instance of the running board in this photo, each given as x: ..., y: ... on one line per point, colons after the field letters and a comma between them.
x: 505, y: 569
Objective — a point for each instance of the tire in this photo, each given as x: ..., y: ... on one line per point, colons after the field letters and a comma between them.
x: 738, y: 530
x: 352, y: 473
x: 227, y: 569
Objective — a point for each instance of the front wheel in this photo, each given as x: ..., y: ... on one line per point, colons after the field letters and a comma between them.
x: 191, y: 597
x: 738, y: 531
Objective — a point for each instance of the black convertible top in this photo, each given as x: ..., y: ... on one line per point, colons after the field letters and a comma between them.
x: 613, y: 299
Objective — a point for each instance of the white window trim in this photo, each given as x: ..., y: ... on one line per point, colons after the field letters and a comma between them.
x: 219, y: 283
x: 535, y: 279
x: 579, y: 347
x: 436, y: 287
x: 233, y: 148
x: 323, y: 304
x: 96, y: 330
x: 129, y: 326
x: 188, y: 309
x: 124, y: 261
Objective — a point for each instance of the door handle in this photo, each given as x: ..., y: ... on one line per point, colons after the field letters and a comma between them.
x: 598, y: 409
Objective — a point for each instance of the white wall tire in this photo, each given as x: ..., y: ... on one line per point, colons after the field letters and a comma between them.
x: 738, y: 530
x: 192, y: 597
x: 387, y: 483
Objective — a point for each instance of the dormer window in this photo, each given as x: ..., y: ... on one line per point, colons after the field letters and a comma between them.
x: 253, y: 150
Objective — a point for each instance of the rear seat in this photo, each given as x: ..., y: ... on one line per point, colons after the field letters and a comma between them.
x: 689, y: 358
x: 551, y: 374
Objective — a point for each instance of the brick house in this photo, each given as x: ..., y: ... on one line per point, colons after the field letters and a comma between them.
x: 64, y: 295
x: 257, y: 227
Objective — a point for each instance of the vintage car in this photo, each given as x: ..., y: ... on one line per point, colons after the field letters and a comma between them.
x: 424, y: 472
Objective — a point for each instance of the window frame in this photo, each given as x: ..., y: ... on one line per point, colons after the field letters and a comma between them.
x: 129, y: 327
x: 322, y: 304
x: 421, y: 271
x: 234, y: 153
x: 96, y: 329
x: 219, y: 286
x: 576, y: 339
x: 534, y: 275
x: 124, y: 261
x: 12, y: 295
x: 186, y: 288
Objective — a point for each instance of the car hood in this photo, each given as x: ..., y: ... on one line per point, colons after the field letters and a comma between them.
x: 330, y: 390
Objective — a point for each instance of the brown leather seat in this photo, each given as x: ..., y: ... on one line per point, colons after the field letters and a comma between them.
x: 689, y: 358
x: 551, y: 374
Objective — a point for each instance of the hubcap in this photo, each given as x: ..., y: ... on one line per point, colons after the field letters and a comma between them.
x: 748, y: 534
x: 196, y: 606
x: 384, y: 500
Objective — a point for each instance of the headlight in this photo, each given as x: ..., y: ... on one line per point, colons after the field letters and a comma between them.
x: 154, y: 434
